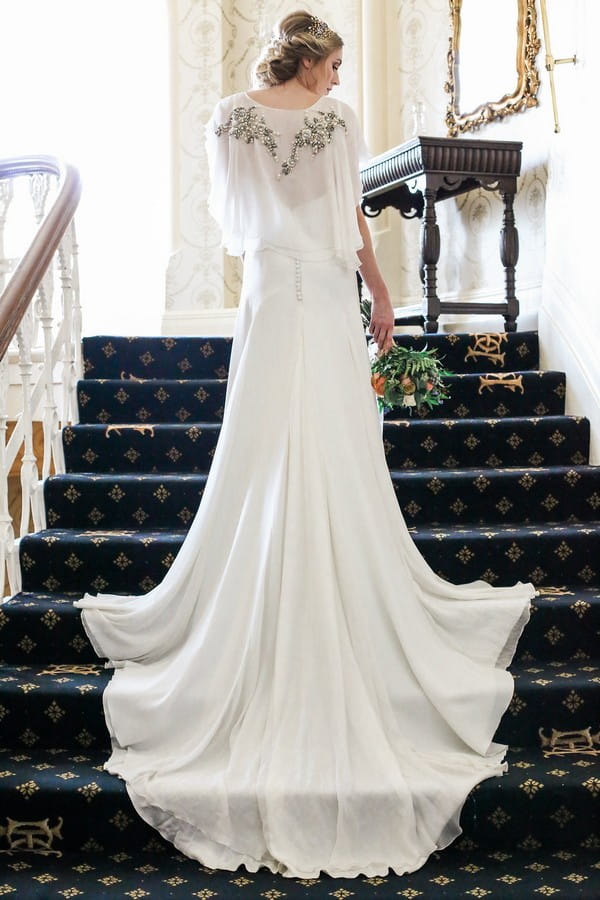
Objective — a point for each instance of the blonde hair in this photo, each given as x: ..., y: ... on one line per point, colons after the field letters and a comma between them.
x: 297, y: 36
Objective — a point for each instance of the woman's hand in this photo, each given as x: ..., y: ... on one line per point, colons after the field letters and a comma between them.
x: 381, y: 325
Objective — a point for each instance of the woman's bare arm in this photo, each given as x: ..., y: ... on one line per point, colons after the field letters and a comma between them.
x: 382, y: 313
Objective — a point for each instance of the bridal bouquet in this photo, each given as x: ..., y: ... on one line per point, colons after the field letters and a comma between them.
x: 406, y: 378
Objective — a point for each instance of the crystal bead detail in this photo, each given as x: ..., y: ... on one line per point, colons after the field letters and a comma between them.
x: 248, y: 125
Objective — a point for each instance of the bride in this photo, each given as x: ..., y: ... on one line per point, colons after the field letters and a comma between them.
x: 302, y: 692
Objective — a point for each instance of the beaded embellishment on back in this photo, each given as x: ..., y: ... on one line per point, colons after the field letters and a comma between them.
x: 246, y: 124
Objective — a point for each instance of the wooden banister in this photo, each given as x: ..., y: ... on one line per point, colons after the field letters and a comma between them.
x: 29, y: 272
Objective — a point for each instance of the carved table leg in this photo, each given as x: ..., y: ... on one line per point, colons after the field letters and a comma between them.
x: 509, y: 254
x: 430, y: 254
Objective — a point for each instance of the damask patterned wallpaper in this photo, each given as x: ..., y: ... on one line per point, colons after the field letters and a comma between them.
x: 394, y: 74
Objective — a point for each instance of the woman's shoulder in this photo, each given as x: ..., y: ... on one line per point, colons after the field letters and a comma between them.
x: 232, y: 99
x: 226, y: 104
x: 339, y: 105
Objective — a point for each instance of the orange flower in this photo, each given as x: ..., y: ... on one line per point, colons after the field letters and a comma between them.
x: 378, y: 384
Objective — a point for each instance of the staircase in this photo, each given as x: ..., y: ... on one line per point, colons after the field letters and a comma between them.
x: 495, y: 484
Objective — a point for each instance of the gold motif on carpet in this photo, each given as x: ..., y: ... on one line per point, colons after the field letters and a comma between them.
x: 564, y: 743
x: 31, y: 837
x: 64, y: 669
x: 125, y: 376
x: 141, y: 429
x: 549, y: 591
x: 510, y: 380
x: 487, y: 346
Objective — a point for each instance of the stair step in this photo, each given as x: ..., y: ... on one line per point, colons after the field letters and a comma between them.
x: 107, y: 356
x: 487, y: 443
x: 112, y: 402
x: 438, y: 496
x: 503, y: 495
x: 122, y: 501
x: 115, y: 356
x: 158, y: 872
x: 497, y: 394
x: 564, y: 624
x: 436, y: 443
x: 41, y: 705
x: 130, y: 562
x: 47, y: 704
x: 543, y: 554
x: 551, y: 695
x: 135, y: 561
x: 514, y: 352
x: 140, y: 448
x: 540, y: 803
x: 71, y: 784
x: 42, y: 628
x: 45, y: 627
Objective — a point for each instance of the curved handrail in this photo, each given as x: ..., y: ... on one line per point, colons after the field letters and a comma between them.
x: 28, y: 274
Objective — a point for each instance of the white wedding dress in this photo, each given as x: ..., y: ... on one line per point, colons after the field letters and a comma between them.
x: 302, y: 692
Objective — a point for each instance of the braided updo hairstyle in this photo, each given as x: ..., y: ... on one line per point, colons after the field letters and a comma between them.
x: 298, y: 36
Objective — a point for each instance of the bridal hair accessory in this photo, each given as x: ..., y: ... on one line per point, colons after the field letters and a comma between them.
x: 318, y: 28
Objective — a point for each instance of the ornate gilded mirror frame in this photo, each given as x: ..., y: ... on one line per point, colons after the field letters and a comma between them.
x: 527, y: 79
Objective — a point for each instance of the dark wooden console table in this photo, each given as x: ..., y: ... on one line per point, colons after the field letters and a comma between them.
x: 415, y: 176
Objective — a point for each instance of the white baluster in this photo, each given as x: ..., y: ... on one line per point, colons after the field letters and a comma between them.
x: 6, y: 196
x: 69, y: 375
x: 8, y: 555
x: 77, y: 324
x: 50, y: 422
x: 39, y: 188
x: 29, y: 472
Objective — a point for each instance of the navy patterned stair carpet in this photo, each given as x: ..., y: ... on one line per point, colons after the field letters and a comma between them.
x: 494, y: 484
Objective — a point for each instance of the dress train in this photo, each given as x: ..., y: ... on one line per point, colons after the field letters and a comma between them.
x: 302, y: 692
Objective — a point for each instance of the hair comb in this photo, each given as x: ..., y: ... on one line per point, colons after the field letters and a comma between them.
x: 318, y: 28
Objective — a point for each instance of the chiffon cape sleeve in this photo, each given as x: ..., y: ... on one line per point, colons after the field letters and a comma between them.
x: 309, y: 214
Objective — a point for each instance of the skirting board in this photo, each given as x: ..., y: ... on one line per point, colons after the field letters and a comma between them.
x: 204, y: 322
